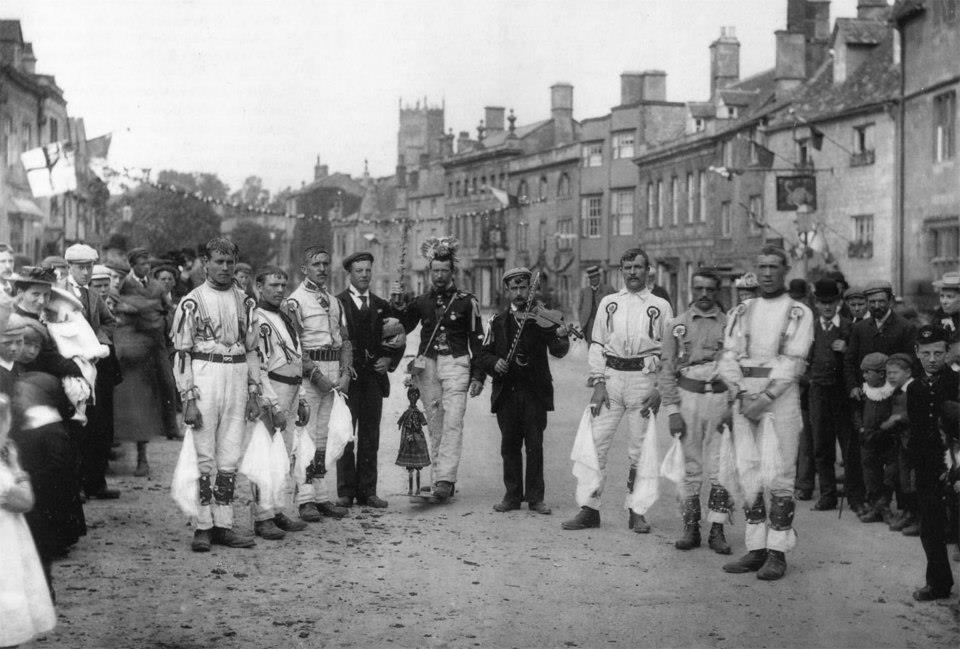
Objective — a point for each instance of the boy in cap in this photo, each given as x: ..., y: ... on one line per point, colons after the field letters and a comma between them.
x: 828, y: 405
x: 589, y: 300
x: 856, y: 303
x: 522, y: 392
x: 897, y: 427
x: 930, y: 399
x: 875, y: 451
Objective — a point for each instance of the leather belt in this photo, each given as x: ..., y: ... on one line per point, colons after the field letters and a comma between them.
x: 218, y: 358
x: 280, y: 378
x: 750, y: 372
x: 701, y: 387
x: 626, y: 364
x: 323, y: 354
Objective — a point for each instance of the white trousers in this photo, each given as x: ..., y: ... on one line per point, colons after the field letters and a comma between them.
x: 701, y: 445
x: 626, y: 391
x: 320, y: 404
x: 443, y: 387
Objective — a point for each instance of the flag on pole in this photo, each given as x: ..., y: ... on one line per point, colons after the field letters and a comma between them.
x: 505, y: 199
x: 51, y: 169
x: 762, y: 155
x: 97, y: 151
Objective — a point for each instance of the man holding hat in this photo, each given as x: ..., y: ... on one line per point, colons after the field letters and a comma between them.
x: 368, y: 325
x: 522, y: 393
x: 930, y: 400
x: 828, y: 403
x: 99, y: 430
x: 589, y: 300
x: 886, y: 332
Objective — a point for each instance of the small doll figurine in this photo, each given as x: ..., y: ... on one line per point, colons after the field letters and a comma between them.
x: 413, y: 453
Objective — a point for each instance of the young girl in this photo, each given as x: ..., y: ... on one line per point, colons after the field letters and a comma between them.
x: 25, y: 606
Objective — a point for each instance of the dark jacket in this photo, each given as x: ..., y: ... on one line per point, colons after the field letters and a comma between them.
x: 534, y: 377
x: 928, y: 400
x: 49, y: 360
x: 587, y: 307
x: 459, y: 325
x: 825, y: 366
x: 98, y: 315
x: 897, y: 335
x: 367, y: 352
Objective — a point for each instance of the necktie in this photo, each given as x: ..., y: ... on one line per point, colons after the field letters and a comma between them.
x: 363, y: 304
x: 827, y: 325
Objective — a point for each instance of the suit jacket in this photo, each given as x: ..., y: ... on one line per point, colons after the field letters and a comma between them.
x: 825, y: 366
x: 897, y: 335
x: 535, y: 342
x: 8, y: 378
x: 365, y: 356
x: 98, y: 315
x: 583, y: 304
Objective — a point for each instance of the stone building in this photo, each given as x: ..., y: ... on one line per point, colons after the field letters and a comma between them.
x: 928, y: 171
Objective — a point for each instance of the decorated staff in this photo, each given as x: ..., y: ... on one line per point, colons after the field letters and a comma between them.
x: 624, y: 354
x: 764, y: 355
x: 515, y: 355
x: 441, y: 369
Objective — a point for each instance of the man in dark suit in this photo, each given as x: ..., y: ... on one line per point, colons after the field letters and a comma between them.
x: 522, y: 392
x: 366, y: 315
x: 98, y: 432
x: 590, y: 297
x: 885, y: 332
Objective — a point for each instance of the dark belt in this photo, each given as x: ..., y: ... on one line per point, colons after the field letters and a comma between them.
x: 280, y: 378
x: 218, y: 358
x: 323, y: 354
x: 701, y: 387
x: 626, y: 364
x: 755, y: 372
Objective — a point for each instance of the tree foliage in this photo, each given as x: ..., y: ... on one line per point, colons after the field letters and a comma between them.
x: 166, y: 221
x: 257, y: 246
x: 207, y: 184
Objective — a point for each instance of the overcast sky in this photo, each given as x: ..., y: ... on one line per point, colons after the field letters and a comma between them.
x: 245, y: 87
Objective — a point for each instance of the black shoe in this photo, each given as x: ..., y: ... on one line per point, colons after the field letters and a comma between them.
x: 442, y: 490
x: 718, y: 540
x: 268, y: 529
x: 330, y: 510
x: 871, y: 515
x: 506, y: 506
x: 201, y: 541
x: 287, y: 524
x: 231, y: 539
x: 105, y: 494
x: 640, y: 524
x: 804, y: 494
x: 540, y: 507
x: 749, y: 562
x: 689, y: 538
x: 346, y: 501
x: 911, y: 530
x: 929, y: 593
x: 587, y: 517
x: 309, y: 512
x: 373, y: 501
x: 824, y: 505
x: 774, y: 567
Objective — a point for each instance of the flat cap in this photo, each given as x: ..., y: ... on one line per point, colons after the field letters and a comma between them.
x: 747, y: 281
x: 100, y: 272
x: 118, y: 266
x: 519, y: 271
x: 54, y: 261
x: 242, y: 267
x: 932, y: 334
x: 901, y: 358
x: 80, y: 253
x: 854, y: 291
x: 136, y: 253
x: 16, y: 325
x: 593, y: 270
x: 35, y: 328
x: 363, y: 255
x: 878, y: 286
x: 949, y: 280
x: 873, y: 361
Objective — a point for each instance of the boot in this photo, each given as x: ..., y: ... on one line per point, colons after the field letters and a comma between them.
x: 143, y: 469
x: 887, y: 514
x: 330, y: 510
x: 640, y: 524
x: 287, y: 524
x: 903, y: 522
x: 717, y: 540
x: 774, y: 567
x: 201, y: 541
x: 585, y: 518
x: 749, y: 562
x: 268, y: 530
x: 230, y: 538
x: 871, y: 514
x: 690, y: 537
x: 913, y: 529
x: 631, y: 477
x: 309, y: 512
x: 442, y: 490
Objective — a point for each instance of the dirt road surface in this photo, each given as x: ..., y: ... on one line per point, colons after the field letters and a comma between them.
x: 462, y: 575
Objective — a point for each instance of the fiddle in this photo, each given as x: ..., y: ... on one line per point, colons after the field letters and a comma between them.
x: 546, y: 318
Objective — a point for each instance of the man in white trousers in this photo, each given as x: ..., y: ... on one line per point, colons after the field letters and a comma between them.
x: 764, y: 356
x: 217, y: 371
x: 624, y: 355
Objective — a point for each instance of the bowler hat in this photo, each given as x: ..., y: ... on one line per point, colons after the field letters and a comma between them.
x: 826, y: 290
x: 363, y: 255
x: 798, y: 289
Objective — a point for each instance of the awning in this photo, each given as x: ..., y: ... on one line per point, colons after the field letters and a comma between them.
x: 25, y: 206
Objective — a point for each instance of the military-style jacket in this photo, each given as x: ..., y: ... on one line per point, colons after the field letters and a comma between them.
x: 694, y: 338
x: 455, y: 315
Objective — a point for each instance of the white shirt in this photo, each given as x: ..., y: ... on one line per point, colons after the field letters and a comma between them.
x: 7, y: 365
x: 834, y: 322
x: 623, y: 327
x: 355, y: 295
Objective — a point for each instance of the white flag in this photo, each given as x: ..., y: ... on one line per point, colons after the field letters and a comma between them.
x: 51, y: 169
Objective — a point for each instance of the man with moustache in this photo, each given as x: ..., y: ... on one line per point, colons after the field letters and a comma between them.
x: 217, y: 369
x: 522, y: 391
x: 328, y: 366
x: 694, y: 398
x: 368, y: 322
x: 764, y: 355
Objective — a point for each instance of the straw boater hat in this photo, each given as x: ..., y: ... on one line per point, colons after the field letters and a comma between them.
x: 949, y: 280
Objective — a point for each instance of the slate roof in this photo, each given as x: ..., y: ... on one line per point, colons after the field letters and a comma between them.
x: 732, y: 97
x: 702, y: 109
x: 860, y: 32
x: 499, y: 137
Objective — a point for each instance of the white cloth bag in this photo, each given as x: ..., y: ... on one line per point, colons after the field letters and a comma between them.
x: 727, y: 469
x: 673, y: 467
x: 303, y: 451
x: 748, y: 458
x: 256, y: 462
x: 186, y: 475
x: 646, y: 486
x: 340, y: 431
x: 586, y: 466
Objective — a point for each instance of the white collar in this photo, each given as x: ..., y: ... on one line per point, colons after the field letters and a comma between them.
x: 877, y: 394
x: 37, y: 416
x: 835, y: 320
x: 7, y: 365
x: 353, y: 291
x: 884, y: 319
x: 643, y: 293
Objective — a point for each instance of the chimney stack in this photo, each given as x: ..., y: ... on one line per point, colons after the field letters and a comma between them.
x: 790, y: 70
x: 28, y: 61
x: 320, y: 171
x: 724, y: 61
x: 561, y: 101
x: 446, y: 144
x: 463, y: 142
x: 493, y: 118
x: 873, y: 10
x: 649, y: 85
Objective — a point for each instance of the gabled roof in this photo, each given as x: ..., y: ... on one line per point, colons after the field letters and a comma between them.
x: 856, y: 31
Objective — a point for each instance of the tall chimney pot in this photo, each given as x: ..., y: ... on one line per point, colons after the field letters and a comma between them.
x: 493, y: 118
x: 724, y: 61
x: 790, y: 70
